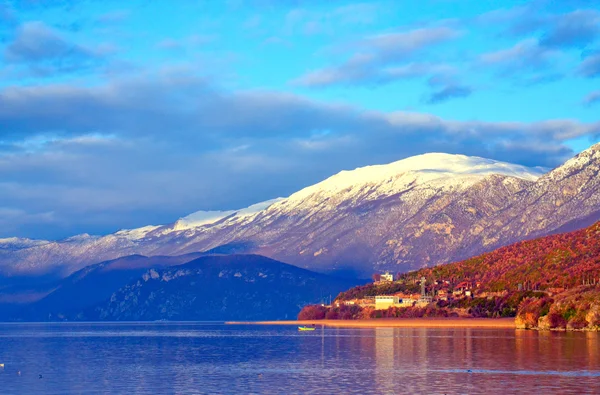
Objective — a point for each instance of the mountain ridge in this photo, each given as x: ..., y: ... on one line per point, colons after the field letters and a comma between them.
x: 390, y: 223
x: 215, y: 287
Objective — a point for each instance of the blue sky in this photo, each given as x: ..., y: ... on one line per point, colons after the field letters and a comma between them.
x: 120, y: 114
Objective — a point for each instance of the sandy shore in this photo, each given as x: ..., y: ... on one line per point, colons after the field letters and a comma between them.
x: 508, y: 323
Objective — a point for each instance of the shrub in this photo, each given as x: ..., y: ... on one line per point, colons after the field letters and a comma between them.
x: 556, y: 320
x: 312, y: 312
x: 332, y: 314
x: 577, y: 322
x: 530, y: 310
x: 593, y: 316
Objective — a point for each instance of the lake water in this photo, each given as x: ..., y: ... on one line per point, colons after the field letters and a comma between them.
x: 203, y: 358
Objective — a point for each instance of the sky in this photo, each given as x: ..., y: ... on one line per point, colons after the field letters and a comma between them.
x: 121, y: 114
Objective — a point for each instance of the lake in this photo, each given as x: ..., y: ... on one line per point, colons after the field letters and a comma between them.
x: 211, y: 358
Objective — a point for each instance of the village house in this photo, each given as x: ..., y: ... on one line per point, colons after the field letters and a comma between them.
x: 462, y: 289
x: 384, y: 302
x: 387, y: 277
x: 442, y: 294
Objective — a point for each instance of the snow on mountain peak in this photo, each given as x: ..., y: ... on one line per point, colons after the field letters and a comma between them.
x: 422, y: 168
x: 83, y: 237
x: 575, y: 164
x: 16, y: 243
x: 461, y: 165
x: 201, y: 218
x: 136, y: 234
x: 583, y: 158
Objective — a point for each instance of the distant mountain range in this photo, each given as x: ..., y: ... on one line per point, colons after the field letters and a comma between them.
x: 84, y: 288
x: 136, y: 288
x: 424, y: 210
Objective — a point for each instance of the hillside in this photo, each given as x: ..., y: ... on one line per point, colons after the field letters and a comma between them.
x: 420, y: 211
x: 550, y: 282
x: 234, y: 287
x: 86, y: 287
x: 558, y: 261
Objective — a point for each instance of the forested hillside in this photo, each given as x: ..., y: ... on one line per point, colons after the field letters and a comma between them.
x: 551, y: 283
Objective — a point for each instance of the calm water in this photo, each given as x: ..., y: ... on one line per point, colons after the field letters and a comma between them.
x: 198, y: 358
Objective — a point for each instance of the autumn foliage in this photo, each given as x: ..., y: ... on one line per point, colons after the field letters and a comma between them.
x: 312, y: 312
x: 548, y: 283
x: 558, y: 261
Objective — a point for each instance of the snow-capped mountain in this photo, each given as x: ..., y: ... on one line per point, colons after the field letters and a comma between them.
x: 16, y: 243
x: 423, y: 210
x: 565, y: 199
x: 201, y: 218
x: 422, y: 172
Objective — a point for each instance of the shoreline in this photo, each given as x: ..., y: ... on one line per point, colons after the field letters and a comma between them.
x: 496, y: 323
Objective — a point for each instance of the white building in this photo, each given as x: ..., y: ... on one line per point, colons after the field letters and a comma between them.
x: 383, y: 302
x: 387, y: 277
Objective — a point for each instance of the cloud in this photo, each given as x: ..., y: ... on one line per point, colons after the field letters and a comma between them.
x: 550, y: 34
x: 575, y: 29
x: 592, y: 98
x: 158, y: 146
x: 590, y: 67
x: 44, y: 52
x: 402, y: 44
x: 447, y: 87
x: 527, y: 63
x: 527, y: 54
x: 515, y: 22
x: 36, y: 42
x: 449, y: 92
x: 355, y: 71
x: 376, y: 60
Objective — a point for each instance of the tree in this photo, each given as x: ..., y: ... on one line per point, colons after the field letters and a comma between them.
x: 312, y: 312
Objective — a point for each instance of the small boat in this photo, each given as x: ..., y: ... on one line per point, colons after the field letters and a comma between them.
x: 306, y: 328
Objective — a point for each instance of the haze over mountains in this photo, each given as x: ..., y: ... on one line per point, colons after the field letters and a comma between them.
x: 188, y: 287
x: 424, y: 210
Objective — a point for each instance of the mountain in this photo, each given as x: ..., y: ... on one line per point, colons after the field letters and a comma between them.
x: 564, y: 260
x: 41, y: 300
x: 233, y: 287
x: 424, y: 210
x: 96, y: 283
x: 564, y: 199
x: 551, y: 282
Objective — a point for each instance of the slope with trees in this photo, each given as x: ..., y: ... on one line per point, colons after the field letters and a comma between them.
x: 548, y: 283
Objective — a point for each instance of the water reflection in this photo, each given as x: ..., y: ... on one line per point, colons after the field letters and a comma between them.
x: 200, y: 358
x: 385, y: 352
